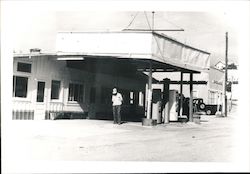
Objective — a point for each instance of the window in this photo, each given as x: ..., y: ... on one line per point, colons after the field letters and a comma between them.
x: 55, y: 89
x: 75, y: 92
x: 20, y: 85
x: 24, y: 67
x: 131, y: 96
x: 141, y: 98
x: 134, y: 98
x: 40, y: 91
x: 212, y: 97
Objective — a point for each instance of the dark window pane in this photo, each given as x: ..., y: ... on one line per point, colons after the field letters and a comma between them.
x: 40, y: 91
x: 55, y: 89
x: 24, y: 67
x: 71, y: 89
x: 20, y: 85
x: 75, y: 92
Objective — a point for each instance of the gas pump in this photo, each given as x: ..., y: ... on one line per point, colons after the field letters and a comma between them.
x: 156, y: 105
x: 173, y: 105
x: 160, y: 102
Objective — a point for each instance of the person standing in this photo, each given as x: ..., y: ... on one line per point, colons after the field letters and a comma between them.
x: 116, y: 103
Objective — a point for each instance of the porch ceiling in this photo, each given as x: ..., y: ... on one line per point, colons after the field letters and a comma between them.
x: 122, y: 65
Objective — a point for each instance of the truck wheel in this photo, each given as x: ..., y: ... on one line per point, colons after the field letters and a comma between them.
x: 202, y: 106
x: 208, y: 112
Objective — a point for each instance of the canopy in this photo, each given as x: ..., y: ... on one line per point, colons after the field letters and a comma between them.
x: 134, y: 45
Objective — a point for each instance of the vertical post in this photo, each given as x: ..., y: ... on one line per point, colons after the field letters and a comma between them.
x: 191, y: 98
x: 165, y: 104
x: 181, y: 91
x: 225, y: 86
x: 218, y: 103
x: 153, y: 18
x: 231, y: 97
x: 149, y: 97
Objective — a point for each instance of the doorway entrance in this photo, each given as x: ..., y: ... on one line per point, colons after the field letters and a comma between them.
x: 40, y: 101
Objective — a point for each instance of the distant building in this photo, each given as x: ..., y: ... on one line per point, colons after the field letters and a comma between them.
x: 220, y: 65
x: 232, y: 70
x: 211, y: 92
x: 233, y: 78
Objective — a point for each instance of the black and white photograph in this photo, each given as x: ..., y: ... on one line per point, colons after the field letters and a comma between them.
x: 126, y: 86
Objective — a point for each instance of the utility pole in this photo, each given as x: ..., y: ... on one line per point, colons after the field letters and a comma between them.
x: 226, y: 65
x: 153, y: 18
x: 191, y: 98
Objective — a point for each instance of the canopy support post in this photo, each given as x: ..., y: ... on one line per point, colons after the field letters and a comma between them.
x: 181, y: 98
x: 191, y: 99
x: 149, y: 97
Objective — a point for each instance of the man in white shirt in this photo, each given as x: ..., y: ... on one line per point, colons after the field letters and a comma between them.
x: 117, y: 102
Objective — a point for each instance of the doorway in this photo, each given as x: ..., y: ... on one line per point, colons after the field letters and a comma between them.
x: 40, y: 101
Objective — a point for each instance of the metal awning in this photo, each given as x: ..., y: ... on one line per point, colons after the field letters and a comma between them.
x: 164, y: 52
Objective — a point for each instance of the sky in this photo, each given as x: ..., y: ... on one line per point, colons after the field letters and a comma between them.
x: 202, y: 30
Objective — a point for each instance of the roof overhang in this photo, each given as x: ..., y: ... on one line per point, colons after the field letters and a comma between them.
x: 140, y: 47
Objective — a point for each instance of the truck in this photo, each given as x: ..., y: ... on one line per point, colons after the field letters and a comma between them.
x: 200, y: 106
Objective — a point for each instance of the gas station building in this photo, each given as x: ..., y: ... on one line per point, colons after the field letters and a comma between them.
x: 77, y: 80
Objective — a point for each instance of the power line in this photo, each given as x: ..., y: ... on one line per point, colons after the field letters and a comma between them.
x: 132, y: 20
x: 154, y: 30
x: 151, y: 27
x: 147, y: 20
x: 158, y: 46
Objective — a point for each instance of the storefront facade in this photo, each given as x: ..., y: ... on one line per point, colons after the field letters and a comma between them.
x: 77, y: 79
